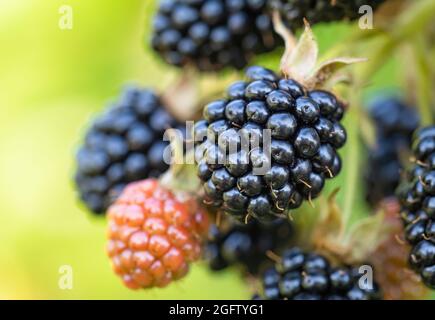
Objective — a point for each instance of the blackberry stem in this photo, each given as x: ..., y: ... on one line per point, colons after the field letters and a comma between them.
x: 352, y: 158
x: 423, y: 78
x: 414, y: 20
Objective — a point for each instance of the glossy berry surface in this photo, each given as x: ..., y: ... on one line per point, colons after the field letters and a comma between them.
x: 309, y: 276
x: 123, y: 144
x: 315, y: 11
x: 246, y: 245
x: 395, y: 123
x: 268, y: 145
x: 417, y: 198
x: 212, y: 34
x: 153, y: 235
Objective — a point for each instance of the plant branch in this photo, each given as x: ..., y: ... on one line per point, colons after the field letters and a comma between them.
x: 352, y: 158
x: 423, y: 78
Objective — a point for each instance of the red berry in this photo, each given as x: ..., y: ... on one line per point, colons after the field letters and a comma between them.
x: 154, y: 234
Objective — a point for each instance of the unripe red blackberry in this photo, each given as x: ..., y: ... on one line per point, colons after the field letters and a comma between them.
x: 315, y: 11
x: 246, y: 245
x: 395, y: 123
x: 305, y: 133
x: 212, y: 34
x: 417, y: 198
x: 122, y: 145
x: 154, y: 234
x: 309, y: 276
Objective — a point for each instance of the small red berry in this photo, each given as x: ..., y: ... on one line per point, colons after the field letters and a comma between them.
x: 154, y: 234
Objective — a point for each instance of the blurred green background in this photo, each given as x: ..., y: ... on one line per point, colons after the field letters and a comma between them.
x: 52, y: 81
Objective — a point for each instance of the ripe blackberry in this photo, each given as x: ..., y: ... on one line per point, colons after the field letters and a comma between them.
x: 212, y: 34
x: 124, y: 144
x: 417, y: 198
x: 309, y: 276
x: 315, y: 11
x: 154, y: 234
x: 390, y: 260
x: 395, y: 123
x: 245, y: 245
x: 305, y: 133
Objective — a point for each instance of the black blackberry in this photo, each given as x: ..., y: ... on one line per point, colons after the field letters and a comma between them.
x: 212, y: 34
x: 245, y: 245
x: 122, y: 145
x: 417, y: 198
x: 294, y: 11
x: 309, y: 276
x: 395, y: 123
x: 305, y: 132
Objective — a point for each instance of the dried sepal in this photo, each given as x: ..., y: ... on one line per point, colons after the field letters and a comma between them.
x: 327, y: 72
x: 365, y: 236
x: 332, y: 219
x: 334, y: 239
x: 337, y: 78
x: 328, y: 229
x: 300, y: 59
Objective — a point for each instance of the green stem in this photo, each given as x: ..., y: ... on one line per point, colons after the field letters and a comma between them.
x: 380, y: 55
x: 423, y: 76
x: 414, y: 19
x: 352, y: 158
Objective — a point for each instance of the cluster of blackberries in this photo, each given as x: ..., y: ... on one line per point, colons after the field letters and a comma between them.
x: 124, y: 144
x: 212, y: 34
x: 309, y: 276
x: 395, y: 123
x: 244, y: 174
x: 417, y: 198
x: 294, y: 11
x: 246, y: 245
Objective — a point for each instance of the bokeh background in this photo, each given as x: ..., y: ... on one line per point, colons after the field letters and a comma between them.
x: 51, y: 83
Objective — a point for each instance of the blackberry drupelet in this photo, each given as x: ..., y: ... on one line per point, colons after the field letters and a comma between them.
x: 124, y: 144
x: 315, y: 11
x: 212, y: 34
x: 417, y: 198
x: 309, y: 276
x: 305, y: 134
x: 395, y: 123
x: 246, y: 245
